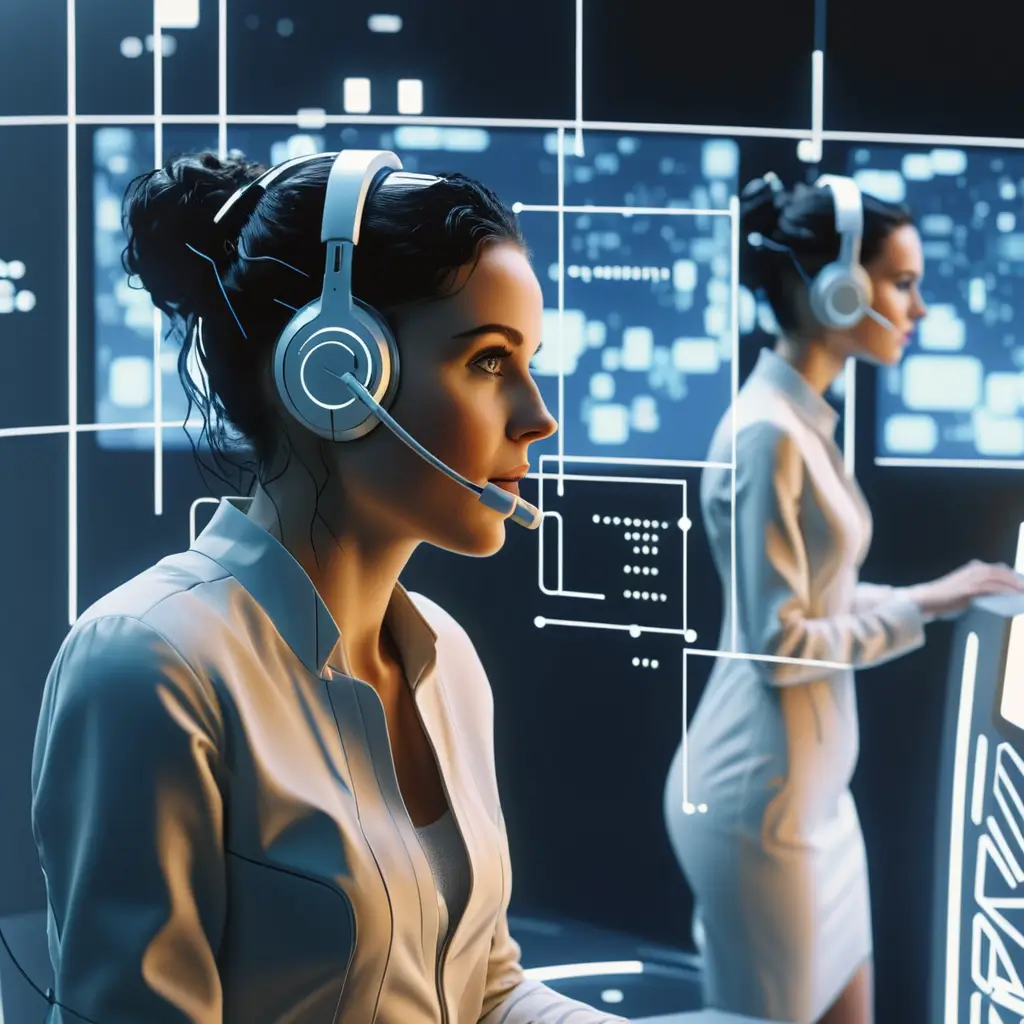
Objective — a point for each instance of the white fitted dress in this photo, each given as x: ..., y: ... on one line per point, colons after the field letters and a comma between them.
x: 777, y: 862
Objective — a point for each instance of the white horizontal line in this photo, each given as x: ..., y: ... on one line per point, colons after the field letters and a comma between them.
x: 771, y: 658
x: 952, y: 463
x: 605, y: 479
x: 614, y: 626
x: 94, y: 428
x: 626, y: 211
x: 880, y: 138
x: 552, y: 124
x: 671, y: 463
x: 33, y: 431
x: 563, y: 972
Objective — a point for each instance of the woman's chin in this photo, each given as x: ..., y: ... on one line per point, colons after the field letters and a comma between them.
x: 479, y: 539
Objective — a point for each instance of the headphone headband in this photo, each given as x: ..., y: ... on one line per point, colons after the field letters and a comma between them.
x: 849, y: 215
x: 352, y: 176
x: 245, y: 199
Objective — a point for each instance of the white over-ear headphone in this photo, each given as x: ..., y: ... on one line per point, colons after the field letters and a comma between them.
x: 336, y: 364
x: 840, y: 293
x: 336, y: 334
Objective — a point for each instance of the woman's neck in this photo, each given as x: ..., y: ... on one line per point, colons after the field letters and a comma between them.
x: 353, y: 571
x: 812, y: 360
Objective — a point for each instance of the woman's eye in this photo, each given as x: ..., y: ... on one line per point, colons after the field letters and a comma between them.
x: 490, y: 362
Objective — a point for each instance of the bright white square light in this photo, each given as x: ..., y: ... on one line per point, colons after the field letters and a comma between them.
x: 178, y: 13
x: 131, y: 382
x: 384, y: 23
x: 410, y: 96
x: 388, y: 23
x: 357, y: 95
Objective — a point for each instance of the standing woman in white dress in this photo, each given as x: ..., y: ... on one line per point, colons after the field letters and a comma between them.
x: 777, y: 862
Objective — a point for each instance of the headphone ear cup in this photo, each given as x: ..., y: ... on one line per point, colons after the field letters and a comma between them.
x: 310, y: 357
x: 839, y: 297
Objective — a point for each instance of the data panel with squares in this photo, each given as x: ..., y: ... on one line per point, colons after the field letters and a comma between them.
x: 34, y: 277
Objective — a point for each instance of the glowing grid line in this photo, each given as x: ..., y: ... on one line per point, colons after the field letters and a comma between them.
x: 158, y: 160
x: 551, y: 124
x: 222, y: 79
x: 625, y: 211
x: 952, y: 463
x: 961, y: 755
x: 72, y: 426
x: 734, y: 245
x: 817, y: 104
x: 560, y: 591
x: 850, y: 416
x: 95, y: 428
x: 579, y: 79
x: 560, y: 209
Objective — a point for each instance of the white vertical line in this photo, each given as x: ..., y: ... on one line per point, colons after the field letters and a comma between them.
x: 222, y: 79
x: 561, y: 554
x: 734, y: 255
x: 158, y: 159
x: 686, y: 559
x: 72, y: 319
x: 817, y: 102
x: 850, y: 418
x: 975, y: 1008
x: 1018, y: 563
x: 980, y: 777
x: 561, y: 312
x: 961, y: 754
x: 686, y: 750
x: 579, y: 79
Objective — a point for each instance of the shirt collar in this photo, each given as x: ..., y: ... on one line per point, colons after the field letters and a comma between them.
x: 774, y: 370
x: 276, y: 581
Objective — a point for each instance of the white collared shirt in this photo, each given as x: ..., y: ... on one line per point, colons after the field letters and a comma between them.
x: 219, y: 820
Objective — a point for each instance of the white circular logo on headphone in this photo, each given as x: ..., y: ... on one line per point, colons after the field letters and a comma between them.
x: 322, y: 350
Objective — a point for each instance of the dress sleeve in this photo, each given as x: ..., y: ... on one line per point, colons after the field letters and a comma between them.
x: 773, y: 586
x: 127, y: 816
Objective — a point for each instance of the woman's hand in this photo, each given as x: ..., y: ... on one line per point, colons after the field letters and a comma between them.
x: 950, y: 595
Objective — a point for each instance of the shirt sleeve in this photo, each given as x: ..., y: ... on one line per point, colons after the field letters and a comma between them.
x: 773, y: 584
x: 874, y: 595
x: 127, y: 817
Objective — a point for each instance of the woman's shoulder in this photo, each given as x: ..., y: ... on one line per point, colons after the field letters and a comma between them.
x: 761, y: 429
x: 148, y: 630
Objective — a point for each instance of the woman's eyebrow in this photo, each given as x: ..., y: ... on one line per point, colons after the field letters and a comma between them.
x: 514, y: 336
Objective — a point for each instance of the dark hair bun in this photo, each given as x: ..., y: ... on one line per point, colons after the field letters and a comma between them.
x: 171, y: 208
x: 761, y: 204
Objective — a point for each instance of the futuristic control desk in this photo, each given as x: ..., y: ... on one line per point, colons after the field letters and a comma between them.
x: 978, y: 952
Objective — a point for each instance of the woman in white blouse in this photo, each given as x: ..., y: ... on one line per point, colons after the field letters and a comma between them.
x: 776, y: 863
x: 264, y: 784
